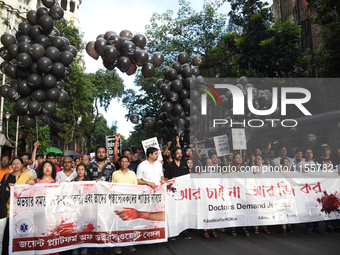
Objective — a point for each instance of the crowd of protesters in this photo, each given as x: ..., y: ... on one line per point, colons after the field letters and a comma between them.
x: 143, y: 168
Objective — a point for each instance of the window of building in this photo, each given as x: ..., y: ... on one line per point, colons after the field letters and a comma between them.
x: 72, y: 6
x: 63, y: 4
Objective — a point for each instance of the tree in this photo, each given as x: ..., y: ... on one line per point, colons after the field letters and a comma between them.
x: 101, y: 131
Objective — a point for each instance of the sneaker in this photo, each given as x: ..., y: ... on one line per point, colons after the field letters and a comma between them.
x: 222, y: 230
x: 173, y: 238
x: 107, y: 249
x: 329, y: 229
x: 186, y: 236
x: 118, y: 250
x: 308, y: 231
x: 317, y: 230
x: 131, y: 248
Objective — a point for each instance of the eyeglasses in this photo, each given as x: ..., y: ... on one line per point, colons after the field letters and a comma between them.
x: 18, y: 163
x: 5, y: 160
x: 47, y: 167
x: 68, y: 162
x: 24, y: 158
x: 124, y: 161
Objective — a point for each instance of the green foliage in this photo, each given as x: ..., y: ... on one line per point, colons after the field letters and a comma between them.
x: 43, y: 136
x: 101, y: 131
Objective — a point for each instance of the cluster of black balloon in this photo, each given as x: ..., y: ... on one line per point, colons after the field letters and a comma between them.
x: 178, y: 109
x: 125, y: 51
x: 39, y: 58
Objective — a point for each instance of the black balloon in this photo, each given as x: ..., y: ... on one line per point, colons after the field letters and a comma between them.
x: 132, y: 69
x: 116, y: 41
x: 159, y: 83
x: 48, y: 3
x: 126, y: 33
x: 176, y: 85
x: 49, y: 81
x: 60, y: 84
x: 53, y: 53
x: 139, y: 40
x: 58, y: 69
x: 128, y: 49
x: 34, y: 68
x: 67, y: 42
x: 123, y: 63
x: 173, y: 97
x: 3, y: 90
x: 108, y: 34
x: 10, y: 71
x: 46, y: 23
x: 23, y: 88
x: 183, y: 57
x: 49, y: 108
x: 167, y: 106
x: 159, y: 58
x: 43, y: 40
x: 24, y: 47
x: 160, y: 123
x: 151, y: 59
x: 141, y: 57
x: 166, y: 130
x: 13, y: 50
x: 187, y: 72
x: 108, y: 65
x: 41, y: 12
x: 52, y: 94
x: 186, y: 103
x: 178, y: 109
x: 62, y: 97
x: 32, y: 17
x: 58, y: 42
x: 3, y: 66
x: 183, y: 94
x: 172, y: 74
x: 21, y: 105
x: 13, y: 94
x: 100, y: 36
x: 4, y: 54
x: 54, y: 32
x: 148, y: 70
x: 99, y: 45
x: 110, y: 54
x: 177, y: 66
x: 165, y: 71
x: 34, y: 108
x: 134, y: 118
x: 68, y: 70
x: 196, y: 60
x: 28, y: 121
x: 66, y: 58
x: 165, y: 89
x: 36, y: 51
x: 91, y: 51
x: 24, y: 60
x: 38, y: 95
x: 44, y: 64
x: 149, y: 122
x: 24, y: 28
x: 195, y: 71
x: 168, y: 122
x: 7, y: 39
x: 71, y: 49
x: 56, y: 12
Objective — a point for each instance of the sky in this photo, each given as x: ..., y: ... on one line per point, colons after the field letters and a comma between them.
x: 97, y: 17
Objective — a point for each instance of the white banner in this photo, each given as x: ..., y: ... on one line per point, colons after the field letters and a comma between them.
x: 48, y: 218
x: 207, y: 203
x: 221, y: 145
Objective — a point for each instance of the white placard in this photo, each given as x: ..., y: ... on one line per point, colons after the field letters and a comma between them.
x: 152, y: 142
x: 239, y: 139
x: 221, y: 145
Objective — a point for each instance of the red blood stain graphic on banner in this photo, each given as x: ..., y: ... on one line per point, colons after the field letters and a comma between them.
x: 170, y: 187
x: 63, y: 229
x: 88, y: 228
x: 330, y: 203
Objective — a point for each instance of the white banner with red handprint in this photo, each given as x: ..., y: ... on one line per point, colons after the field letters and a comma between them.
x: 48, y: 218
x: 245, y: 199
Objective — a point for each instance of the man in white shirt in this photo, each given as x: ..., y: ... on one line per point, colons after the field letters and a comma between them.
x: 282, y: 154
x: 67, y: 175
x: 307, y: 165
x: 150, y: 171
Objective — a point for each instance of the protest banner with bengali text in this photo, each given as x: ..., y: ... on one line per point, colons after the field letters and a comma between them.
x: 48, y: 218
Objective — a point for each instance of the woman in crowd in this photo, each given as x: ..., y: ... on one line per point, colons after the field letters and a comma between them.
x: 81, y: 172
x: 46, y: 174
x: 10, y: 179
x: 190, y: 164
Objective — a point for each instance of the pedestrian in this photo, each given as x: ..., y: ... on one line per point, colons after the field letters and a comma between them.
x: 26, y: 168
x: 68, y: 174
x: 5, y: 167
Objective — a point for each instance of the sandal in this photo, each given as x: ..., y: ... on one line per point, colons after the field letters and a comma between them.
x: 256, y: 231
x: 206, y: 234
x: 213, y: 233
x: 233, y: 232
x: 266, y: 231
x: 246, y: 233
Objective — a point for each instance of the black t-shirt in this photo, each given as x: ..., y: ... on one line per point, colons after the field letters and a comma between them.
x: 172, y: 170
x: 5, y: 193
x: 94, y: 172
x: 327, y: 164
